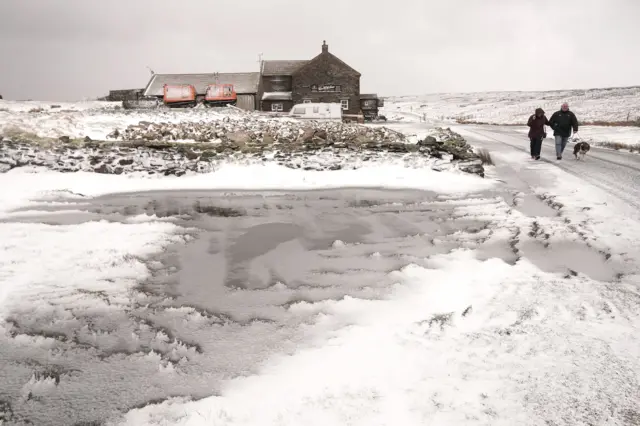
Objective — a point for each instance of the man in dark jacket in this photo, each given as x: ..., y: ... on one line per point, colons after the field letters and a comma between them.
x: 562, y: 122
x: 536, y: 125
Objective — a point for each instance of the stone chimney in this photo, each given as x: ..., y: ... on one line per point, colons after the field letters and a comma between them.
x: 325, y: 46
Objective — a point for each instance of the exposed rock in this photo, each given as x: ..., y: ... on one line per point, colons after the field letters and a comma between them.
x: 152, y: 148
x: 306, y: 135
x: 268, y: 139
x: 104, y: 169
x: 239, y: 139
x: 114, y: 135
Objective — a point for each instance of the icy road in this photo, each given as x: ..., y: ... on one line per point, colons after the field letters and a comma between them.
x: 616, y: 172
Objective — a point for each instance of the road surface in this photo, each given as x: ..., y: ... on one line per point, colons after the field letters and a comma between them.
x: 616, y: 172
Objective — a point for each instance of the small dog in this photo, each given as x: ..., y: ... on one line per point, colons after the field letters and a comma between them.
x: 581, y: 149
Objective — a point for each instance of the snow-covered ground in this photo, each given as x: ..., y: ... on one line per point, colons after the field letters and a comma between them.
x: 471, y: 337
x: 602, y: 135
x: 528, y: 314
x: 610, y: 105
x: 513, y: 108
x: 94, y: 119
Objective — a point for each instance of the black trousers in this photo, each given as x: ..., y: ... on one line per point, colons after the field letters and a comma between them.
x: 536, y: 146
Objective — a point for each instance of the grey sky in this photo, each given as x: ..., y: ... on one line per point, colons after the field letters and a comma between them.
x: 71, y: 49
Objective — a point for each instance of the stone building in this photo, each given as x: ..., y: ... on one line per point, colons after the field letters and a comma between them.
x: 325, y: 78
x: 281, y: 84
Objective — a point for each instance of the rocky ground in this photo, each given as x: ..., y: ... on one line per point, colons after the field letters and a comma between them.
x: 160, y: 148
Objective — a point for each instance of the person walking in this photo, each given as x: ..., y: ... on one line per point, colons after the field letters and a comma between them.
x: 562, y: 122
x: 537, y: 133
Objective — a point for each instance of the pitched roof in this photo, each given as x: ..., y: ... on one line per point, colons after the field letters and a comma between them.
x: 368, y: 96
x: 244, y: 82
x: 287, y: 67
x: 334, y: 57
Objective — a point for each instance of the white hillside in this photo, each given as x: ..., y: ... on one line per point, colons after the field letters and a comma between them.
x: 594, y: 105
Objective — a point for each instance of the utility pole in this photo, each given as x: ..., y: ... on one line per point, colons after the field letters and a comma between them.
x: 260, y: 62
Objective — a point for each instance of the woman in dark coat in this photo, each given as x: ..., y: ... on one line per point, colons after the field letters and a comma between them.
x: 537, y: 133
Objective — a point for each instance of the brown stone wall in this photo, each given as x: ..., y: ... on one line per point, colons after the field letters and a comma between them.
x: 121, y: 95
x: 327, y: 70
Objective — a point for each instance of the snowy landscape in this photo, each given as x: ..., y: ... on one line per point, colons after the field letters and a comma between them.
x: 616, y: 110
x: 231, y: 268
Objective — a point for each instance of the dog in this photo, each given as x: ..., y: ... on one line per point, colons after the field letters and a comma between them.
x: 580, y: 149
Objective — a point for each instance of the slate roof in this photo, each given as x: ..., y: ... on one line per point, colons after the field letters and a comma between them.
x: 244, y: 82
x: 271, y: 68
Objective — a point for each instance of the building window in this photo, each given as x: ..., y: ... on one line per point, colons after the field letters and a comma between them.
x: 300, y: 110
x: 306, y: 101
x: 314, y: 88
x: 345, y: 104
x: 277, y: 107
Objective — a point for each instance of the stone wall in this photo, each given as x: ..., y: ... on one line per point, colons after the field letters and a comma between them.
x: 325, y: 71
x: 121, y: 95
x: 332, y: 147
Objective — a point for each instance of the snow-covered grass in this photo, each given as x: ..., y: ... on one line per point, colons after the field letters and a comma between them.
x: 95, y: 119
x: 605, y: 105
x: 26, y: 106
x: 475, y: 336
x: 56, y: 262
x: 467, y: 338
x: 462, y: 339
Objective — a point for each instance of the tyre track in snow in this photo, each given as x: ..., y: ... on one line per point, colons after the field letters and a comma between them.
x: 618, y: 178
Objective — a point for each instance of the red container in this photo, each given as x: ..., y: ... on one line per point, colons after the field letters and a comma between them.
x: 180, y: 93
x: 220, y: 94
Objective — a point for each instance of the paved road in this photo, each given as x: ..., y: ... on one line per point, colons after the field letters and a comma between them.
x: 616, y: 172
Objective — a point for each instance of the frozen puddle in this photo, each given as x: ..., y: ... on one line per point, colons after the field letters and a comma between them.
x: 571, y: 257
x: 249, y: 272
x: 533, y: 206
x: 244, y: 277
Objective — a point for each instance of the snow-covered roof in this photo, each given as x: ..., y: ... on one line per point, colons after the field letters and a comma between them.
x: 244, y: 82
x: 287, y: 67
x: 277, y: 96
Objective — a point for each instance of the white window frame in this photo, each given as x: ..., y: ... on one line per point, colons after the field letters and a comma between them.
x: 277, y: 107
x: 306, y: 101
x: 344, y: 102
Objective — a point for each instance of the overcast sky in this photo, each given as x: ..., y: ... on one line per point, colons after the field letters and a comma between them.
x: 74, y: 49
